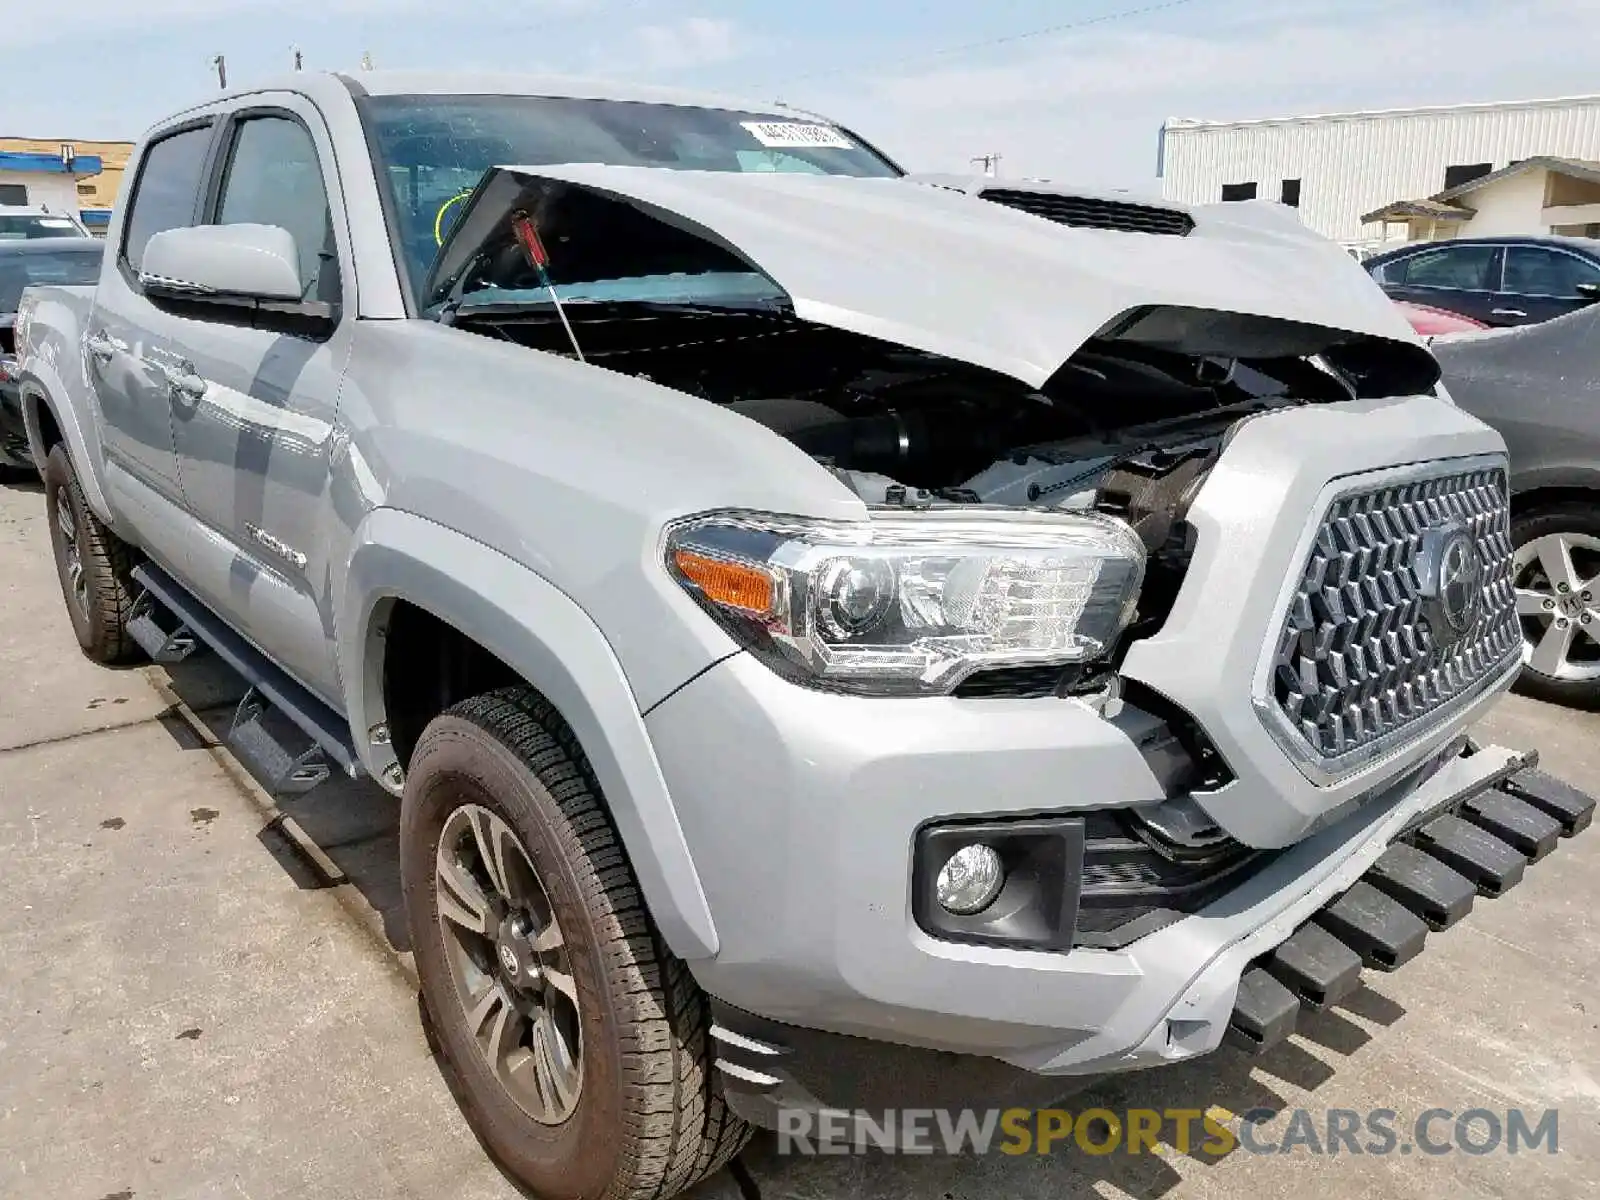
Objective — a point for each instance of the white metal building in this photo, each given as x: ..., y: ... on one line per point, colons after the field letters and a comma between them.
x: 1339, y: 167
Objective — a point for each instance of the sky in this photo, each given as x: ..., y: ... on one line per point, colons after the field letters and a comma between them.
x: 1072, y: 90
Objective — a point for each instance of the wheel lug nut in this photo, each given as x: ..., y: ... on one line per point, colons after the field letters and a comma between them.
x: 1561, y: 587
x: 1549, y: 603
x: 1562, y: 622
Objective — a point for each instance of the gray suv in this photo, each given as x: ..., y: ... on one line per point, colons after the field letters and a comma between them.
x: 841, y: 639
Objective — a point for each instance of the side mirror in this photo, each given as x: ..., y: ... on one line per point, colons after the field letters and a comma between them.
x: 241, y: 263
x: 1589, y: 291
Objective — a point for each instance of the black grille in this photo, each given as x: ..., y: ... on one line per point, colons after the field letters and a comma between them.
x: 1134, y: 882
x: 1087, y: 213
x: 1357, y: 660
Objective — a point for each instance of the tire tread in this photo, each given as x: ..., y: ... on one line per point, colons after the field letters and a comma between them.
x: 679, y: 1128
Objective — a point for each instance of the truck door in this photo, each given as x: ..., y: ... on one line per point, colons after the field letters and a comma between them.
x: 256, y: 399
x: 122, y: 346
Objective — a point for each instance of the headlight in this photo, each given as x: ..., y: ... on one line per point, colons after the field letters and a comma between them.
x: 912, y: 603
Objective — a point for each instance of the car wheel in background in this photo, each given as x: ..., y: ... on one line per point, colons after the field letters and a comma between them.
x: 1556, y: 566
x: 576, y: 1044
x: 94, y: 565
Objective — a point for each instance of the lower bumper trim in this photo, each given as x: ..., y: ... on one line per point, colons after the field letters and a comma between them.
x: 1265, y: 1013
x: 1567, y: 804
x: 1492, y: 865
x: 1437, y: 894
x: 1384, y: 932
x: 1319, y: 968
x: 1518, y: 824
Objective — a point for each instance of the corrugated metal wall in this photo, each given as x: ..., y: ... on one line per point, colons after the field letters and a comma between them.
x: 1354, y: 164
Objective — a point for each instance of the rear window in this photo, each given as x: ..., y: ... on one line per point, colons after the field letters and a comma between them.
x: 16, y: 227
x: 36, y: 269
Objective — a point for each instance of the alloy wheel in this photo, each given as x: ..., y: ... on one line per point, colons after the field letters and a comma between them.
x: 1558, y: 603
x: 67, y: 531
x: 510, y: 964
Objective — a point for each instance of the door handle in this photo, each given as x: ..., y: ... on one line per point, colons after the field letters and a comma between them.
x: 102, y: 347
x: 186, y: 383
x: 1508, y: 312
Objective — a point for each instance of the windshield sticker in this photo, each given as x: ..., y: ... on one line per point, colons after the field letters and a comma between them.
x: 792, y: 135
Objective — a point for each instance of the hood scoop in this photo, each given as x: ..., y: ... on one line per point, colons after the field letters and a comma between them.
x: 1089, y: 212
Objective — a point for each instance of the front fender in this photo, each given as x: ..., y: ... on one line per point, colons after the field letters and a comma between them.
x: 544, y: 636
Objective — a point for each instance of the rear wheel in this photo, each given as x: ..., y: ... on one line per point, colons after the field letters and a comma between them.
x: 1557, y: 568
x: 578, y: 1046
x: 94, y: 565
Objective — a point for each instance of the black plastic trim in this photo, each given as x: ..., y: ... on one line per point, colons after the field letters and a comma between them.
x: 1037, y: 907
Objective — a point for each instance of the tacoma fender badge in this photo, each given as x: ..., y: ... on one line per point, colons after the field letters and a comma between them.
x: 278, y: 547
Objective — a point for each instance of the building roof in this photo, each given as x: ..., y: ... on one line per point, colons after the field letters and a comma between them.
x: 1430, y: 210
x: 1364, y: 114
x: 1441, y: 206
x: 1576, y: 167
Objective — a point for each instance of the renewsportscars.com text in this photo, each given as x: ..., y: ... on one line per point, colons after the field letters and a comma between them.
x: 1210, y: 1133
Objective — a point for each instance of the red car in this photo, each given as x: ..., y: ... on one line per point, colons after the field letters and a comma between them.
x: 1430, y: 322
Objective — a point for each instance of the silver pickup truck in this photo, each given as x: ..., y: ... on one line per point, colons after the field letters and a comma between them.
x: 842, y: 639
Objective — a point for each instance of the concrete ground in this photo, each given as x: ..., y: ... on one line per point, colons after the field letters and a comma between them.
x: 203, y: 995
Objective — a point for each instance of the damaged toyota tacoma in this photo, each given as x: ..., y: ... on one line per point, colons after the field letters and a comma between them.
x: 841, y: 639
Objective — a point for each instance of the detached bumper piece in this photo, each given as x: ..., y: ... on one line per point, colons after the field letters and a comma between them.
x: 1426, y: 881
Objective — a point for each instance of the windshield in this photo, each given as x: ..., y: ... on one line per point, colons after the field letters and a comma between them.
x: 434, y: 149
x: 18, y: 226
x: 33, y: 268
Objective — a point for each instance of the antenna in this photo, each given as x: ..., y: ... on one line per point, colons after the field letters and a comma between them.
x: 299, y: 59
x: 366, y: 60
x: 221, y: 65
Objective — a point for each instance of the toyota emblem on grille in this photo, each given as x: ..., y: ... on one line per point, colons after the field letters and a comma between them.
x: 1450, y: 575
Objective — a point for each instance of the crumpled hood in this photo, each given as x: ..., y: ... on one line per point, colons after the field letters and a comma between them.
x: 937, y: 269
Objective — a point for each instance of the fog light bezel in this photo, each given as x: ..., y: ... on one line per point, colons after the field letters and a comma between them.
x: 1037, y: 905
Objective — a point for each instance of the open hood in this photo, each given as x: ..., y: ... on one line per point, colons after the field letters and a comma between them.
x: 938, y: 269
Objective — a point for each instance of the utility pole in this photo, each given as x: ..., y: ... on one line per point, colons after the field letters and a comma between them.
x: 299, y: 59
x: 221, y: 65
x: 991, y: 163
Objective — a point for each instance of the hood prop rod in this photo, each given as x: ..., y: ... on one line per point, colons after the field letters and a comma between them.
x: 527, y: 235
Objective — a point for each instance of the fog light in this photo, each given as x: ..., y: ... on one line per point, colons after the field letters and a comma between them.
x: 969, y: 880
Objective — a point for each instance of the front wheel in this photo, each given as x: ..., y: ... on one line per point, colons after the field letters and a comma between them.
x: 577, y: 1044
x: 95, y: 566
x: 1556, y: 563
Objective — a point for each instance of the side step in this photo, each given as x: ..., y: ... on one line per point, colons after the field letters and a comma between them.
x: 1470, y: 845
x: 255, y: 736
x: 166, y: 641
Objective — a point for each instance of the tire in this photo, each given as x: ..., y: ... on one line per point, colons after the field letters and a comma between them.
x: 1534, y: 536
x: 95, y: 566
x: 648, y: 1118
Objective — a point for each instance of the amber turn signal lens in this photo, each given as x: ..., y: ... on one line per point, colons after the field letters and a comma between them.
x: 732, y: 584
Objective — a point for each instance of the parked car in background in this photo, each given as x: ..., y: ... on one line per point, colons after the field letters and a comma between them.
x: 23, y: 222
x: 1432, y: 322
x: 1540, y: 387
x: 23, y: 263
x: 1499, y: 281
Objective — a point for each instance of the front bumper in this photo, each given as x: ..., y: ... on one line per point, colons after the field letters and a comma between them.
x: 801, y: 809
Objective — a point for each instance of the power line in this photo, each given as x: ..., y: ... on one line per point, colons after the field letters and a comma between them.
x: 989, y: 43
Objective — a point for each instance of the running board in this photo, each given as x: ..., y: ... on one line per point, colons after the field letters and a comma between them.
x: 1478, y: 843
x: 285, y: 769
x: 165, y: 642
